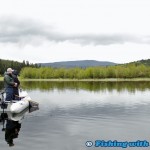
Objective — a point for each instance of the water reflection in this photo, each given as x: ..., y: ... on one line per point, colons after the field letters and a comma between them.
x: 11, y: 131
x: 73, y: 112
x: 11, y: 124
x: 90, y: 86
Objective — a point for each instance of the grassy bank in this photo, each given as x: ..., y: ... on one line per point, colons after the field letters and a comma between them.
x: 91, y: 73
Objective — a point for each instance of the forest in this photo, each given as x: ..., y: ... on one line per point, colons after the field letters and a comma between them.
x: 4, y: 64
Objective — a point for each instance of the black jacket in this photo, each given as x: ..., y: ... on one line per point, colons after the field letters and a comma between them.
x: 16, y: 80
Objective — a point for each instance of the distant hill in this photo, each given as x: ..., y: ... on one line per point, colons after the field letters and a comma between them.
x: 143, y: 61
x: 80, y: 63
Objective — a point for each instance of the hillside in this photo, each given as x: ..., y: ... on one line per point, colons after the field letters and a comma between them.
x: 81, y: 63
x: 144, y: 62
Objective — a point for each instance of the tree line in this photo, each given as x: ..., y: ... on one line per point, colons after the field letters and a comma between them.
x: 120, y: 71
x: 4, y: 64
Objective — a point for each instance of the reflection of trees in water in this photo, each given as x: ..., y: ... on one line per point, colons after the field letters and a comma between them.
x: 91, y: 86
x: 130, y: 86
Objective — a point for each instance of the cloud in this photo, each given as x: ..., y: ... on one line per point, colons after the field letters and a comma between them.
x: 102, y: 39
x: 26, y: 31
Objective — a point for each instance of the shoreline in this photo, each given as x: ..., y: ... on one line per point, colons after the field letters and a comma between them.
x: 87, y: 80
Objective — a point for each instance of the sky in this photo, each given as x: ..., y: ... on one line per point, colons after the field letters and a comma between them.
x: 65, y: 30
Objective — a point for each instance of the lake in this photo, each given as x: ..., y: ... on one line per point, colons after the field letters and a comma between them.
x: 71, y: 113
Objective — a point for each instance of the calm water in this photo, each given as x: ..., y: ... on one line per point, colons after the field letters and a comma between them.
x: 72, y: 113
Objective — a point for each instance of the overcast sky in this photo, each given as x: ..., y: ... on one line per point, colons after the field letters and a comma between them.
x: 63, y: 30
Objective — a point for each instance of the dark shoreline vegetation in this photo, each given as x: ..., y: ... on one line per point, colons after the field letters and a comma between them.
x: 126, y: 71
x: 4, y: 64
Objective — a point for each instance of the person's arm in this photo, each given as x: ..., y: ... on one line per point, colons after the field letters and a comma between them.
x: 18, y: 82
